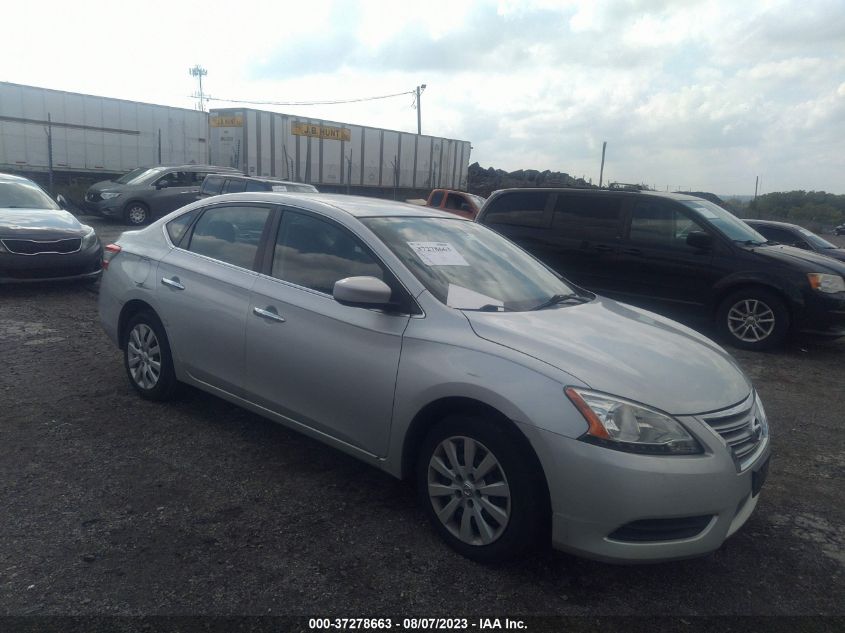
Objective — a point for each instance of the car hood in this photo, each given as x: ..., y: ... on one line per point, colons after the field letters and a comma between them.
x: 835, y: 253
x: 38, y: 223
x: 106, y: 185
x: 624, y: 351
x: 809, y: 261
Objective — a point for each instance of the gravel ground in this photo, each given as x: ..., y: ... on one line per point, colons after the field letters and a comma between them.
x: 114, y: 505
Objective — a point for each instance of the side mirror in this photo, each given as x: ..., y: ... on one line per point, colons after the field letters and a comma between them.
x: 700, y: 240
x: 364, y: 292
x: 62, y: 202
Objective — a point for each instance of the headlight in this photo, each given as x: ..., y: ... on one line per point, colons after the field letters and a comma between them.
x: 826, y: 283
x: 761, y: 416
x: 627, y: 426
x: 108, y: 195
x: 89, y: 239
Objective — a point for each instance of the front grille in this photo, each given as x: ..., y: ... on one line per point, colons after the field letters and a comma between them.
x: 37, y: 247
x: 742, y: 429
x: 652, y: 530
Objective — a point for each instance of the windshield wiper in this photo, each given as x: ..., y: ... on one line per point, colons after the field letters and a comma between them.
x: 751, y: 243
x: 554, y: 300
x: 488, y: 307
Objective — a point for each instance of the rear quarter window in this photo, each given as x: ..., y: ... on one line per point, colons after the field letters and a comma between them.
x: 526, y: 209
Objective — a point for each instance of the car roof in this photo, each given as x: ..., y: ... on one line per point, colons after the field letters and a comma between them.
x: 599, y: 192
x: 355, y: 206
x: 786, y: 225
x: 13, y: 178
x: 277, y: 181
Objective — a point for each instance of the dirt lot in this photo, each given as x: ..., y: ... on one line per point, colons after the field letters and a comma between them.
x: 114, y: 505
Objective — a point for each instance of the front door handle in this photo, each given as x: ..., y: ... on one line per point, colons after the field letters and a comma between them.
x: 173, y: 283
x: 268, y: 313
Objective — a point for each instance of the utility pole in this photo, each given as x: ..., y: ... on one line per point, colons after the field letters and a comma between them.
x: 49, y: 132
x: 601, y: 172
x: 756, y: 182
x: 418, y: 105
x: 199, y: 72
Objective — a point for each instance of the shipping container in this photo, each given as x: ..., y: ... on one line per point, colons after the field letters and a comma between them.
x: 94, y: 134
x: 332, y: 155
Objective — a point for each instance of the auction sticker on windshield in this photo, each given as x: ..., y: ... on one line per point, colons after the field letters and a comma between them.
x: 438, y: 254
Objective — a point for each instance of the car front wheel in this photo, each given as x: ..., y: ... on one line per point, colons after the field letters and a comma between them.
x: 137, y: 214
x: 480, y: 488
x: 753, y: 319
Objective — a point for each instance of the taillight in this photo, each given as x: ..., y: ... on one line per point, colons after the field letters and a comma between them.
x: 109, y: 253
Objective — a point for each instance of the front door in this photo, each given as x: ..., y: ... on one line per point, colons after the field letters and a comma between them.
x: 322, y: 364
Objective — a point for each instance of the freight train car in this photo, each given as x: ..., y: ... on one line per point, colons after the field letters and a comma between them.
x: 94, y: 134
x: 335, y: 156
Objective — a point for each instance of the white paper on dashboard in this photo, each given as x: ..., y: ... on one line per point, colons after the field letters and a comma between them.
x: 460, y: 297
x: 279, y: 188
x: 438, y: 254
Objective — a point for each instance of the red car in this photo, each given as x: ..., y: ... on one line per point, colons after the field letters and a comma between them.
x: 460, y: 203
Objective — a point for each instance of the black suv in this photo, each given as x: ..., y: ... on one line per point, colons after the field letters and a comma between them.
x: 672, y: 252
x: 147, y: 193
x: 216, y: 184
x: 797, y: 236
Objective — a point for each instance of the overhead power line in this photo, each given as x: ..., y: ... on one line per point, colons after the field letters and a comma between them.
x: 310, y: 103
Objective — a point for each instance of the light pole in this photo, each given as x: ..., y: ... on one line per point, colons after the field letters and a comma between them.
x: 419, y: 108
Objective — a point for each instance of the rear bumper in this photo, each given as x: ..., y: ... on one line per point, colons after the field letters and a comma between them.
x: 83, y: 265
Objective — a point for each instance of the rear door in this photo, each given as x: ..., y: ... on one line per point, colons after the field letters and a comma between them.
x: 204, y: 290
x: 322, y: 364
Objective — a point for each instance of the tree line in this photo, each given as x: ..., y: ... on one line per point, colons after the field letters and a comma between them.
x: 815, y: 210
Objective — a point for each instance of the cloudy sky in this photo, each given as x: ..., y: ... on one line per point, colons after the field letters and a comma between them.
x: 701, y: 95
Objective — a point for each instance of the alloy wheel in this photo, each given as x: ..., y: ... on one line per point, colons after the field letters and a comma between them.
x: 144, y: 356
x: 468, y: 490
x: 751, y: 320
x: 137, y: 214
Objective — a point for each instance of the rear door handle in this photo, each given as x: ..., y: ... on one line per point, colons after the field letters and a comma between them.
x: 173, y: 283
x: 268, y: 313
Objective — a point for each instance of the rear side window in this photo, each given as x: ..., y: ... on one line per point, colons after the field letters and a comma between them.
x: 436, y: 199
x: 230, y: 234
x: 588, y: 217
x: 234, y: 185
x: 315, y: 253
x: 252, y: 185
x: 523, y: 208
x: 176, y: 228
x: 212, y: 185
x: 657, y: 224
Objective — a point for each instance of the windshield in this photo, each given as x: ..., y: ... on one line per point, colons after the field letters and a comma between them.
x: 478, y: 200
x: 730, y: 225
x: 24, y: 195
x: 126, y: 178
x: 466, y: 265
x: 815, y: 240
x: 141, y: 175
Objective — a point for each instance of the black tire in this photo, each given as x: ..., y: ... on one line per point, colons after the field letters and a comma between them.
x: 136, y: 214
x: 517, y: 466
x: 165, y: 384
x: 753, y: 301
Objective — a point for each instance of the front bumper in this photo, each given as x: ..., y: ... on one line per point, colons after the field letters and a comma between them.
x: 81, y: 265
x: 599, y: 493
x: 112, y: 207
x: 823, y: 314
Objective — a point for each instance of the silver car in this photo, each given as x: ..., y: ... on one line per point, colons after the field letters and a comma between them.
x: 435, y: 349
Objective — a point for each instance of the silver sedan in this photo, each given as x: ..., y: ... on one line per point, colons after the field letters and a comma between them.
x: 435, y: 349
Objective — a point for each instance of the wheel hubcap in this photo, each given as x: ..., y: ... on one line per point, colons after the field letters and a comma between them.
x: 144, y: 356
x: 751, y: 320
x: 468, y: 490
x: 137, y: 215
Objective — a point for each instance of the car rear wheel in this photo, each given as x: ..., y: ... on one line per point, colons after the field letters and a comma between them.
x: 147, y: 358
x: 136, y: 214
x: 480, y: 489
x: 753, y: 319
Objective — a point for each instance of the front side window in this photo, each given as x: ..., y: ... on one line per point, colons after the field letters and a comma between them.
x: 656, y: 224
x: 316, y: 253
x: 230, y: 234
x: 466, y: 265
x: 436, y: 199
